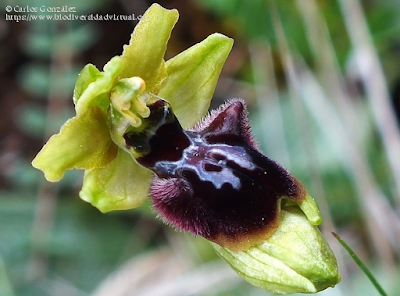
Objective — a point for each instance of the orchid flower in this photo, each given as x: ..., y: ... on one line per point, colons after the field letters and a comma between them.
x: 140, y: 131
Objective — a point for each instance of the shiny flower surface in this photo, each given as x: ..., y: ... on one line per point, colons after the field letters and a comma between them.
x: 212, y: 180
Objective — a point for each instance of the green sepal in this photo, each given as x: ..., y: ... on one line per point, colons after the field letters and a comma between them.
x: 192, y: 77
x: 295, y: 259
x: 144, y: 56
x: 98, y: 85
x: 122, y: 185
x: 84, y: 142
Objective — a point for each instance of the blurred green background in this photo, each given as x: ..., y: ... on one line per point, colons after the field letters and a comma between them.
x: 322, y: 82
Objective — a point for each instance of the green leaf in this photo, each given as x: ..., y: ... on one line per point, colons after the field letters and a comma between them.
x: 92, y: 87
x: 84, y: 142
x: 144, y: 56
x: 192, y: 77
x: 122, y: 185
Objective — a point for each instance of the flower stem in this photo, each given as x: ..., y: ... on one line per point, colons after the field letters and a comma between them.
x: 361, y: 265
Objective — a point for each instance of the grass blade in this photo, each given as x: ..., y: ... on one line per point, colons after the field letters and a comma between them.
x: 361, y: 265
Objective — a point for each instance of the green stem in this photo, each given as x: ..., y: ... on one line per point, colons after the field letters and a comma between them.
x: 361, y: 265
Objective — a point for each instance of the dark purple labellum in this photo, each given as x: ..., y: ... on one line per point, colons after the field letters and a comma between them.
x: 212, y: 180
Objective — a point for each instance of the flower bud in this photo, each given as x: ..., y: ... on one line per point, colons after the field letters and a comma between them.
x: 295, y: 259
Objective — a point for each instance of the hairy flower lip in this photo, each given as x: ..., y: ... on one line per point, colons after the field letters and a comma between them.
x: 212, y: 180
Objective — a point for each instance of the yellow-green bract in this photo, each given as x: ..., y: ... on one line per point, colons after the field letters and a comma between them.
x: 295, y: 259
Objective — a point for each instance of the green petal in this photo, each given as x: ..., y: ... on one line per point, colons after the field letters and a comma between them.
x: 84, y: 142
x: 192, y: 77
x: 144, y: 56
x: 88, y: 74
x: 122, y: 185
x: 97, y: 85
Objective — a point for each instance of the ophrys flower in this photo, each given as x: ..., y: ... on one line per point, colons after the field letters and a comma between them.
x: 138, y: 133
